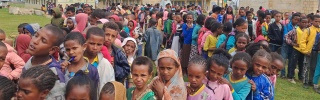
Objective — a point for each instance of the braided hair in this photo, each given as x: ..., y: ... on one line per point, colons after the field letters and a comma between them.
x: 198, y: 60
x: 260, y: 54
x: 108, y: 88
x: 81, y: 79
x: 7, y: 88
x: 42, y: 77
x: 253, y: 48
x: 245, y: 57
x: 220, y: 57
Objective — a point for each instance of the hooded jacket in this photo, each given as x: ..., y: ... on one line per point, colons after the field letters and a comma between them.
x: 15, y: 61
x: 22, y: 44
x: 82, y: 20
x: 57, y: 20
x: 132, y: 34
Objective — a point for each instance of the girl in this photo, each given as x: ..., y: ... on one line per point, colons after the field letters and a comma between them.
x: 130, y: 47
x: 240, y: 26
x: 265, y: 25
x: 168, y: 25
x: 218, y: 66
x: 71, y: 23
x: 275, y: 33
x: 75, y: 47
x: 80, y: 87
x: 211, y: 41
x: 227, y: 28
x: 276, y: 66
x: 240, y: 63
x: 187, y: 29
x: 261, y: 87
x: 82, y: 21
x: 159, y: 20
x: 202, y: 35
x: 7, y: 88
x: 228, y: 17
x: 141, y: 73
x: 113, y: 91
x: 194, y: 44
x: 260, y: 22
x: 196, y: 73
x: 169, y: 84
x: 35, y: 83
x: 242, y: 39
x: 242, y: 14
x: 177, y: 31
x: 132, y: 24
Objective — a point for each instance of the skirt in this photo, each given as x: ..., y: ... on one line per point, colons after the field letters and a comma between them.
x: 185, y: 56
x: 193, y: 52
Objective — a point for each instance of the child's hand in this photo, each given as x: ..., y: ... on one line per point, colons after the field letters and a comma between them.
x: 64, y: 65
x: 225, y: 81
x: 253, y: 85
x: 158, y: 87
x: 189, y: 90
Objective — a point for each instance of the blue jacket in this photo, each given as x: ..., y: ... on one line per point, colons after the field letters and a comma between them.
x: 264, y: 88
x: 231, y: 40
x: 287, y: 28
x: 120, y: 65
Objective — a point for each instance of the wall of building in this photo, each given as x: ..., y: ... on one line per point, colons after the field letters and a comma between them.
x: 304, y: 6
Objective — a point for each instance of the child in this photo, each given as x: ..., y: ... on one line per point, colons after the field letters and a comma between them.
x: 7, y: 88
x: 194, y: 43
x: 211, y: 40
x: 275, y: 33
x: 118, y: 58
x: 113, y: 91
x: 242, y: 14
x: 251, y: 26
x: 57, y: 19
x: 75, y: 47
x: 81, y: 87
x: 169, y: 84
x: 94, y: 42
x: 20, y: 28
x: 159, y: 21
x: 3, y: 54
x: 13, y: 64
x: 260, y: 84
x: 187, y: 29
x: 228, y: 17
x: 261, y: 17
x: 203, y: 34
x: 45, y: 42
x: 268, y: 18
x: 82, y: 21
x: 130, y: 47
x: 314, y: 32
x: 286, y: 19
x: 88, y: 10
x: 227, y: 28
x: 276, y: 66
x: 69, y: 13
x: 240, y: 63
x: 153, y: 40
x: 217, y: 66
x: 31, y: 29
x: 242, y: 40
x: 215, y: 12
x: 240, y: 26
x: 35, y: 83
x: 168, y: 25
x: 197, y: 71
x: 254, y: 47
x: 71, y: 23
x: 96, y: 15
x: 142, y: 68
x: 176, y: 45
x: 293, y: 38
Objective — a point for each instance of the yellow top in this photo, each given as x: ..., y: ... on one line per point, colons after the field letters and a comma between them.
x: 159, y: 26
x: 232, y: 50
x: 300, y: 35
x: 199, y: 90
x: 210, y: 42
x: 309, y: 39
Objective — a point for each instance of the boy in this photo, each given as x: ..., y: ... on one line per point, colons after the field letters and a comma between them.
x: 118, y: 58
x: 153, y: 41
x: 69, y: 13
x: 88, y: 10
x: 294, y: 38
x: 57, y: 19
x: 275, y: 33
x: 285, y: 48
x: 251, y: 26
x: 45, y: 42
x: 94, y: 40
x: 13, y: 63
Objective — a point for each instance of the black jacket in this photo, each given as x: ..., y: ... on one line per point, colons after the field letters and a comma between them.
x: 275, y: 34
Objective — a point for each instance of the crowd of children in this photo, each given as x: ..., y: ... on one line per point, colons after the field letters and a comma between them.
x: 102, y: 54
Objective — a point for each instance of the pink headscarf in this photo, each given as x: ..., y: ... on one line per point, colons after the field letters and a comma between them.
x: 165, y: 15
x: 82, y: 20
x: 115, y: 17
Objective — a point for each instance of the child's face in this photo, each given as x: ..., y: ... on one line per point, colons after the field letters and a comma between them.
x: 178, y: 18
x: 276, y: 66
x: 3, y: 54
x: 239, y: 69
x: 216, y: 72
x: 316, y: 22
x: 130, y: 25
x: 20, y: 30
x: 286, y: 16
x: 2, y: 36
x: 222, y: 12
x: 110, y: 36
x: 70, y: 13
x: 41, y: 43
x: 303, y: 23
x: 268, y: 18
x: 196, y: 74
x: 220, y: 30
x: 106, y: 96
x: 70, y: 24
x: 74, y: 49
x: 295, y: 20
x: 87, y: 10
x: 167, y: 68
x: 140, y: 76
x: 28, y: 91
x: 189, y: 18
x: 241, y: 43
x: 93, y: 20
x: 129, y: 47
x: 79, y: 93
x: 249, y: 16
x: 277, y: 17
x: 242, y: 13
x: 229, y: 10
x: 25, y: 31
x: 260, y: 65
x: 243, y: 28
x: 94, y: 44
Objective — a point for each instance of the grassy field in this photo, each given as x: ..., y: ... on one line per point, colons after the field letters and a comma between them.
x: 284, y: 89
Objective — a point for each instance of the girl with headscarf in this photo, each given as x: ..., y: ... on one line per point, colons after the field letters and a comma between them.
x: 113, y: 90
x: 130, y: 48
x: 82, y: 21
x: 22, y: 44
x: 169, y: 84
x: 132, y: 24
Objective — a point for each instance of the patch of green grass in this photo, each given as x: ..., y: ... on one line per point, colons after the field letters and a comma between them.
x: 9, y: 22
